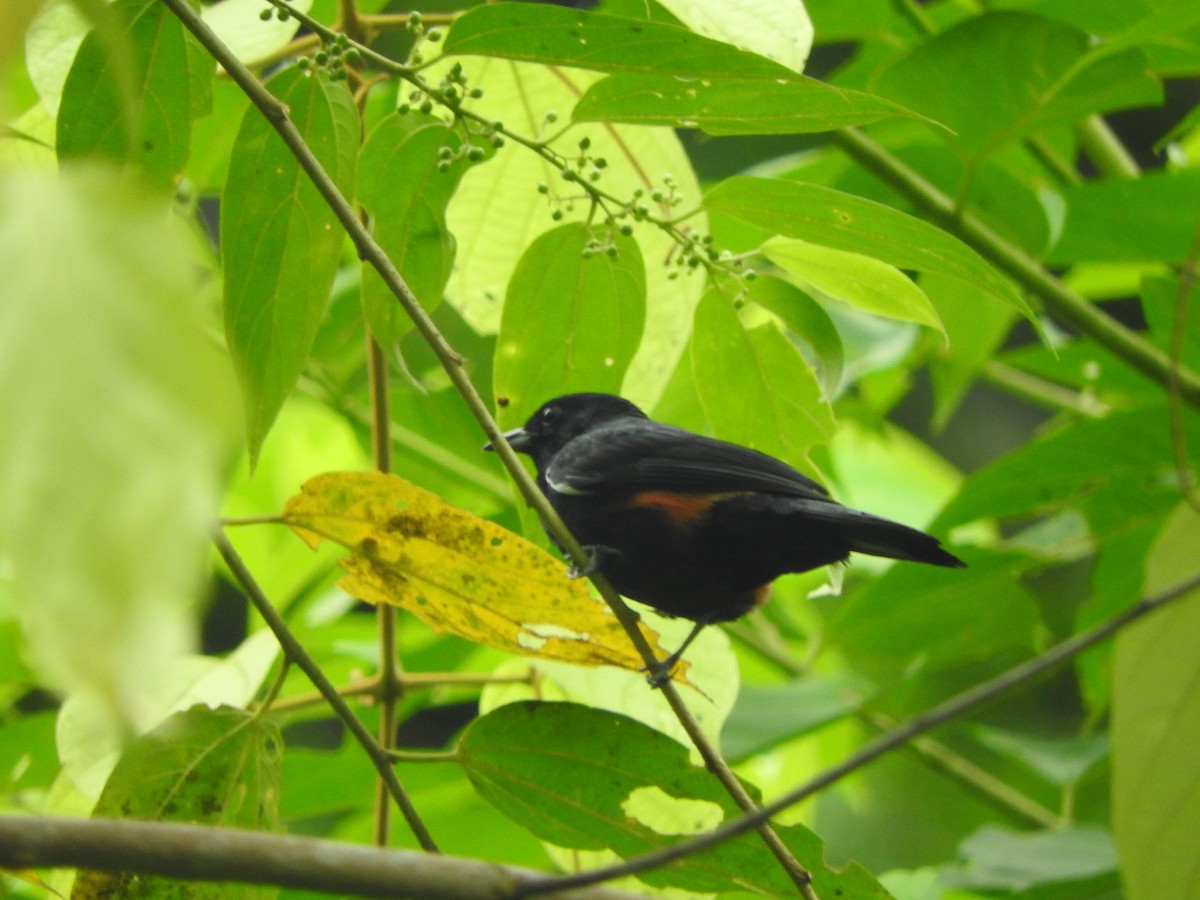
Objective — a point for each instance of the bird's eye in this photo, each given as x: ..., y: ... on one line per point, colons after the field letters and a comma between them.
x: 550, y: 413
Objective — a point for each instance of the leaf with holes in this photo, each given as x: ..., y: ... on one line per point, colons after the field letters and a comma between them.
x: 587, y: 778
x: 211, y: 766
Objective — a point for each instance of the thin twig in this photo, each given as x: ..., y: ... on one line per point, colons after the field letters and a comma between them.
x: 949, y: 709
x: 388, y: 689
x: 931, y: 751
x: 1105, y: 149
x: 295, y: 652
x: 369, y: 250
x: 1043, y: 392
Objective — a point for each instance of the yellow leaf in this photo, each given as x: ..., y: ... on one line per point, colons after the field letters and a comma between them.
x: 457, y: 572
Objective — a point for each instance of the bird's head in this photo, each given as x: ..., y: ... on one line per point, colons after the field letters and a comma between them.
x: 562, y: 419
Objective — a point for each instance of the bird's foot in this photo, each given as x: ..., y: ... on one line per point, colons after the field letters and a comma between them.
x: 660, y: 673
x: 597, y: 554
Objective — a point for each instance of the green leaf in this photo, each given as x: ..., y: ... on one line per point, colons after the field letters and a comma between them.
x: 119, y: 418
x: 853, y: 278
x: 779, y: 31
x: 975, y: 331
x: 405, y: 192
x: 1156, y: 728
x: 730, y: 363
x: 588, y: 779
x: 807, y: 319
x: 821, y: 215
x: 1166, y: 310
x: 280, y: 241
x: 747, y: 94
x: 1130, y: 220
x: 218, y: 767
x: 491, y: 245
x: 765, y: 716
x: 51, y: 43
x: 251, y: 38
x: 935, y: 618
x: 90, y: 748
x: 556, y: 36
x: 1128, y: 452
x: 1025, y: 73
x: 137, y: 82
x: 728, y: 104
x: 1005, y: 859
x: 1165, y: 29
x: 570, y: 323
x: 1061, y: 761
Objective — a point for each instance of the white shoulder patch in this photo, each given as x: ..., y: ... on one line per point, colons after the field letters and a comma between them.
x: 562, y: 487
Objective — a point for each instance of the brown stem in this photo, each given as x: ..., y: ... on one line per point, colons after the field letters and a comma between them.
x: 296, y: 653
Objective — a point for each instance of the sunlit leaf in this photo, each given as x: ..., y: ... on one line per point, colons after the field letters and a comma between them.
x: 821, y: 215
x: 730, y: 363
x: 404, y: 186
x: 89, y: 749
x: 490, y: 245
x: 589, y: 40
x: 51, y: 43
x: 853, y: 278
x: 1156, y: 727
x: 242, y: 29
x: 281, y: 242
x: 777, y: 29
x: 134, y: 88
x: 712, y: 670
x: 572, y: 319
x: 459, y: 573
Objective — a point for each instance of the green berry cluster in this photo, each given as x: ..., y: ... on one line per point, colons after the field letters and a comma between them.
x: 333, y: 58
x: 416, y: 27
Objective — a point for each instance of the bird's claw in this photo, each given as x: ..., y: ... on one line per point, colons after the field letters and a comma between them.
x: 597, y: 553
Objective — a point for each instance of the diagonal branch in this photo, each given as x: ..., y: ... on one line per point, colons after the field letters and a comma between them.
x: 369, y: 250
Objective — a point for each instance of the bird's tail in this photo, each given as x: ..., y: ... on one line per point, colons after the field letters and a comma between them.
x: 865, y: 533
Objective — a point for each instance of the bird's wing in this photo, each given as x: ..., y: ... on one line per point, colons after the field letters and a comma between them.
x: 641, y: 455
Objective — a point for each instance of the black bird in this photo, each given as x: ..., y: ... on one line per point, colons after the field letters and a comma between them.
x: 692, y: 526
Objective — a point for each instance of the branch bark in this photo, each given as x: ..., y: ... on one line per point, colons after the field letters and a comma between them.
x: 201, y: 853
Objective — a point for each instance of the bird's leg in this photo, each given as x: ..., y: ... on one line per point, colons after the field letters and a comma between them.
x: 660, y: 673
x: 598, y: 553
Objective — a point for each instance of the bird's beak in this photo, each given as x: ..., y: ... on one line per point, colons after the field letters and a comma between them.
x: 518, y: 439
